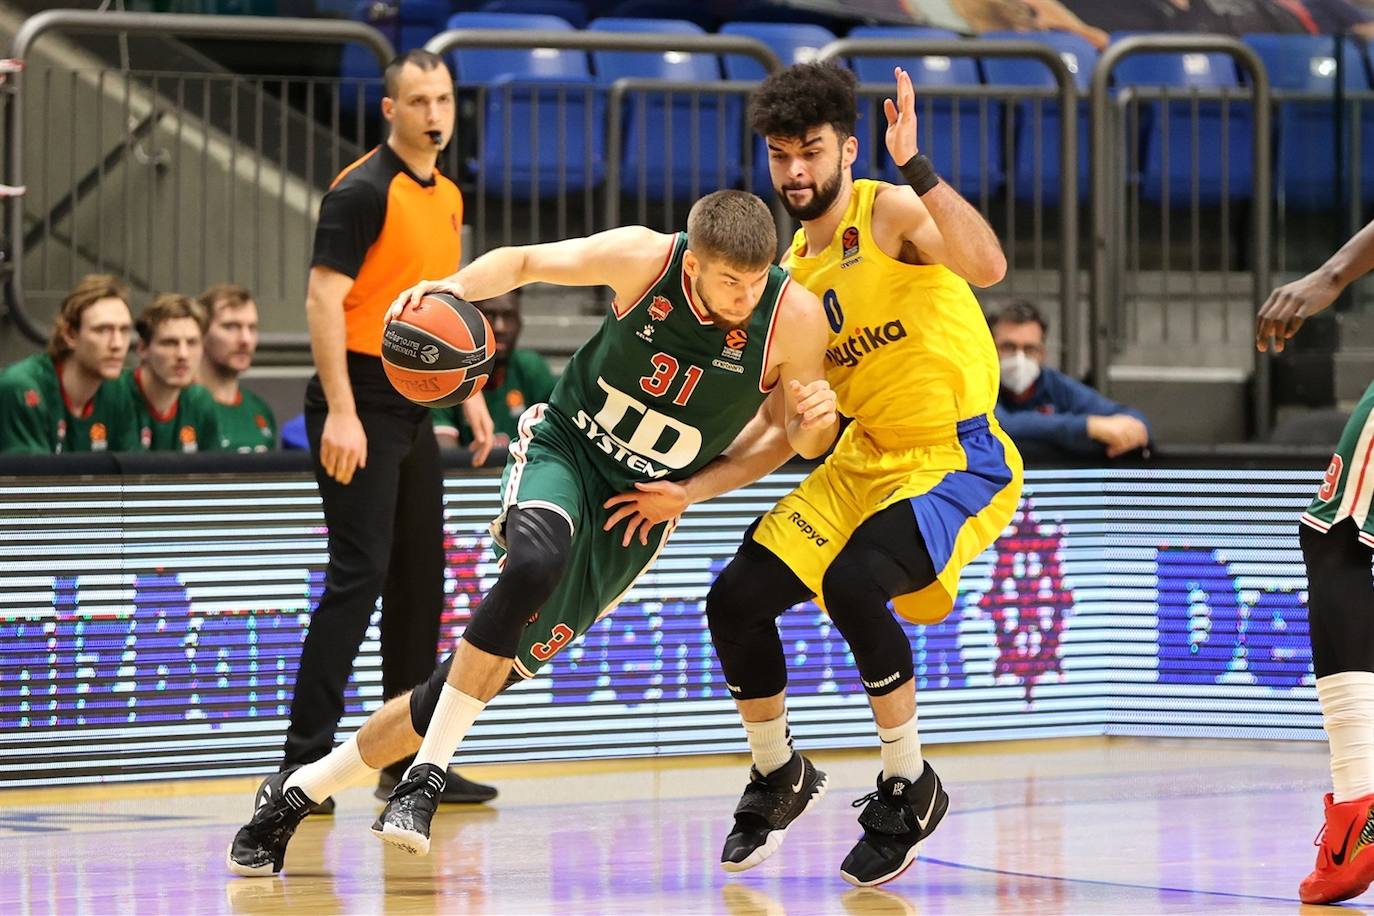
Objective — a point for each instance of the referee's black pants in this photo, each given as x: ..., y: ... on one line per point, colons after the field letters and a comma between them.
x: 386, y: 538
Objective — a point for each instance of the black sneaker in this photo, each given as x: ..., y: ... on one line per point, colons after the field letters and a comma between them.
x: 896, y: 820
x: 405, y: 820
x: 768, y: 807
x: 324, y: 808
x: 458, y: 790
x: 259, y: 848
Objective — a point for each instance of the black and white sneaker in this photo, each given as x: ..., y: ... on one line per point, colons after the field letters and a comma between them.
x: 768, y: 807
x: 896, y: 820
x: 259, y: 848
x: 405, y: 820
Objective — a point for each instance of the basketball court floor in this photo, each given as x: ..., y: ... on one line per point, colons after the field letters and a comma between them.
x: 1072, y: 826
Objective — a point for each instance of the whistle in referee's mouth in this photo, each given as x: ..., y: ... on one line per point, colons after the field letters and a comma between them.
x: 437, y: 136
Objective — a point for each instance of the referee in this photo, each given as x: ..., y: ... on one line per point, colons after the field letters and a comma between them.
x: 389, y: 220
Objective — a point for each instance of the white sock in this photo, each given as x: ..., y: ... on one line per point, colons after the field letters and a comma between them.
x: 902, y: 751
x: 448, y: 727
x: 770, y: 742
x: 1348, y: 715
x: 338, y: 769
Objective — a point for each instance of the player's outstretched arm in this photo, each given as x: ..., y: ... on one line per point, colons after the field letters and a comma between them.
x: 626, y: 259
x: 945, y: 228
x: 1287, y: 307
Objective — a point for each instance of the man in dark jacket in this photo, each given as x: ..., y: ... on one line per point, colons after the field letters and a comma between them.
x: 1047, y: 412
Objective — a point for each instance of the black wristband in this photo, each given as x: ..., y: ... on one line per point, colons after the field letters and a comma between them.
x: 919, y: 172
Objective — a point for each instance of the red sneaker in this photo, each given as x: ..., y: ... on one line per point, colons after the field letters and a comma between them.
x: 1343, y: 869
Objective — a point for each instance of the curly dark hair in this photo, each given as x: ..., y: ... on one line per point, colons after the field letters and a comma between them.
x: 792, y: 101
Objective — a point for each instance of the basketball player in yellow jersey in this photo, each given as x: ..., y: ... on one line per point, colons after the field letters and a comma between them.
x: 918, y: 485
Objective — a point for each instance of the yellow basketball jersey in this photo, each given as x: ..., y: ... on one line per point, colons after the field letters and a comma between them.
x: 916, y: 331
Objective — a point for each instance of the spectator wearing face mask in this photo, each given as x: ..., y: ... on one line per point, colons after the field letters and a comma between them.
x: 1047, y: 413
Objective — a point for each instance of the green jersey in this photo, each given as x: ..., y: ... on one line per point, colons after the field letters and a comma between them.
x: 190, y: 426
x: 247, y: 425
x: 659, y: 390
x: 36, y: 417
x: 528, y: 381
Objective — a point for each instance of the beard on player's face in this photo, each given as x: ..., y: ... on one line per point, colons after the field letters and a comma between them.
x: 720, y: 321
x: 823, y: 196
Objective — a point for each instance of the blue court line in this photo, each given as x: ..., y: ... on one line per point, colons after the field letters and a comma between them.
x: 1099, y: 883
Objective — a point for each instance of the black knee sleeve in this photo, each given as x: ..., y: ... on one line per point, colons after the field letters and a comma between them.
x: 856, y: 588
x: 537, y: 547
x: 742, y: 610
x: 1340, y: 599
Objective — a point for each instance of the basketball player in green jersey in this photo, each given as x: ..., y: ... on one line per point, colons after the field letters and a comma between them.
x: 68, y: 399
x: 705, y: 337
x: 1337, y: 537
x: 246, y: 422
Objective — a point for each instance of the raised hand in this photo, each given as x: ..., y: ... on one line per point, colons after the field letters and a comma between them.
x: 901, y: 120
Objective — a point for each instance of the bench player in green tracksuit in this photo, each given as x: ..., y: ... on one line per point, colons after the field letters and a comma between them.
x: 705, y: 337
x: 1337, y: 534
x: 67, y: 399
x: 246, y: 422
x: 174, y: 413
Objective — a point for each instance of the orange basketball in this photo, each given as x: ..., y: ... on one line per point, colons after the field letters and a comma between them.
x: 439, y: 352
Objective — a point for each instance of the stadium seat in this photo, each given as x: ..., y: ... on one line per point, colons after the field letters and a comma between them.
x: 794, y: 43
x: 1172, y: 137
x: 962, y: 137
x: 676, y: 148
x: 1081, y: 58
x: 572, y: 12
x: 415, y: 22
x: 1305, y: 160
x: 540, y: 99
x: 769, y: 11
x: 675, y: 10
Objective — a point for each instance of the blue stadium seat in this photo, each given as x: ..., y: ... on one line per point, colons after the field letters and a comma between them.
x: 676, y: 149
x: 1305, y: 161
x: 675, y: 10
x: 415, y: 22
x: 1173, y: 135
x: 1081, y: 58
x: 794, y: 43
x: 770, y: 11
x: 962, y: 137
x: 573, y: 12
x: 539, y: 98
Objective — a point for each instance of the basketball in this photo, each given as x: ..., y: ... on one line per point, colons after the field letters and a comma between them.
x: 438, y: 352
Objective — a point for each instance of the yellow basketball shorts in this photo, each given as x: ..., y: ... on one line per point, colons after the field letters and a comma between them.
x: 963, y: 492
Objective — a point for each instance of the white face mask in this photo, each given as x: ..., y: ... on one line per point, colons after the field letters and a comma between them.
x: 1019, y: 372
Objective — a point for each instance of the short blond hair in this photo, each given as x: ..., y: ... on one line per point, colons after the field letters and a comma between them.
x: 734, y: 226
x: 89, y: 290
x: 168, y: 307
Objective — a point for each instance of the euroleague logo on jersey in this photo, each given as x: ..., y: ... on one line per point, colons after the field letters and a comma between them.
x: 849, y: 253
x: 735, y: 342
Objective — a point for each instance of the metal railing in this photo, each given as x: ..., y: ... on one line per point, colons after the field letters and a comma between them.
x: 1066, y: 97
x: 153, y: 102
x: 598, y: 164
x: 1119, y: 225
